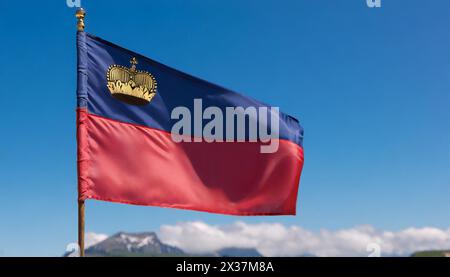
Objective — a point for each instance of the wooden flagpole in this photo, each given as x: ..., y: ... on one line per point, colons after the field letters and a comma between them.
x: 80, y: 28
x: 81, y: 227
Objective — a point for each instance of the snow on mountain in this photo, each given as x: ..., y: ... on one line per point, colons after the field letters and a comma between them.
x: 122, y: 243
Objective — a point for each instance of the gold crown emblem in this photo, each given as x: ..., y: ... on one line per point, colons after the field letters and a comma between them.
x: 129, y: 85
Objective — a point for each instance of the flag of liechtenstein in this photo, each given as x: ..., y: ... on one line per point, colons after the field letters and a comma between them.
x: 151, y: 135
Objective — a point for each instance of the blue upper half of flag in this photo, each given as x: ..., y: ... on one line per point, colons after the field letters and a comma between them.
x: 174, y: 89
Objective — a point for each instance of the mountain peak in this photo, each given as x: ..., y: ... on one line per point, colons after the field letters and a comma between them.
x: 134, y: 244
x: 135, y: 241
x: 148, y: 244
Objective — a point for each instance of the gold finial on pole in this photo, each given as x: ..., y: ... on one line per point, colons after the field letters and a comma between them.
x: 80, y: 17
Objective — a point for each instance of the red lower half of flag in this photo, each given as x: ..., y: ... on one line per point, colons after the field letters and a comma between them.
x: 126, y: 163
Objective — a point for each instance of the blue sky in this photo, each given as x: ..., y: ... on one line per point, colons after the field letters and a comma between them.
x: 371, y: 87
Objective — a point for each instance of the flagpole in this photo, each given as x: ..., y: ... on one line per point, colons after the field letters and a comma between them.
x: 80, y: 14
x: 81, y: 226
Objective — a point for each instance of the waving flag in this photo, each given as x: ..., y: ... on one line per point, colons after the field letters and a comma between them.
x: 151, y: 135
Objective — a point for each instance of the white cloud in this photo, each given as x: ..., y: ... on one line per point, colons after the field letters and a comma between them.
x: 93, y: 238
x: 274, y: 239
